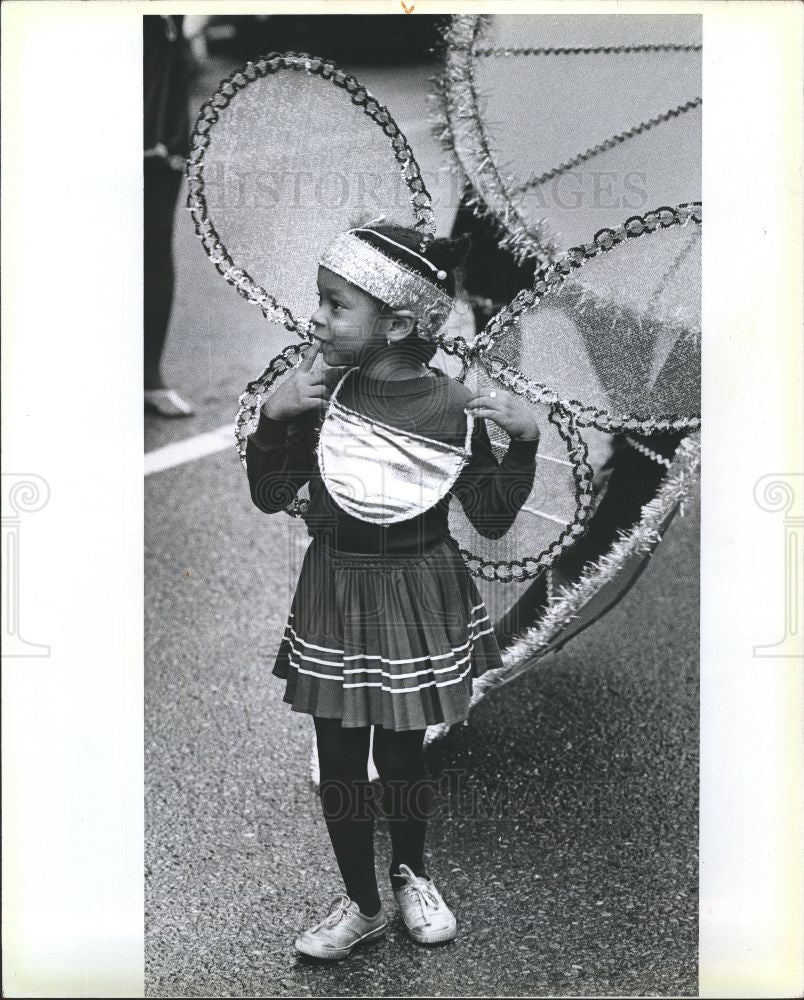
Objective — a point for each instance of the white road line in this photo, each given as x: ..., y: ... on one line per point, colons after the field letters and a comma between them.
x: 189, y: 450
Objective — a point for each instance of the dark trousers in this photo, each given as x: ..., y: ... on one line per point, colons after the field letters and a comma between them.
x: 161, y: 194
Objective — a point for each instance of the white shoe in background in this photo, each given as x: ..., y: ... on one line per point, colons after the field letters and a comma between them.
x: 167, y: 403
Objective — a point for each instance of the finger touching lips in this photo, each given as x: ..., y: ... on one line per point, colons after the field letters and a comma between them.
x: 310, y: 355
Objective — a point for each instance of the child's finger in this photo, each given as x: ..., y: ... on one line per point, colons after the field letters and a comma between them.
x: 310, y: 354
x: 484, y: 401
x: 315, y: 402
x: 329, y: 376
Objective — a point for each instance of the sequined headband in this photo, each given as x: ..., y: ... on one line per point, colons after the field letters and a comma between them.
x: 363, y: 265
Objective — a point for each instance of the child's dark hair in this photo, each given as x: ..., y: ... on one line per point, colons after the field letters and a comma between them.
x: 443, y: 254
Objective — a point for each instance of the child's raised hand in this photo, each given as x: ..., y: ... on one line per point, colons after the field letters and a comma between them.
x: 303, y: 390
x: 508, y: 410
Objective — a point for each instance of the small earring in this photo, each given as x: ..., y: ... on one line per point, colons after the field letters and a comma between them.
x: 388, y: 341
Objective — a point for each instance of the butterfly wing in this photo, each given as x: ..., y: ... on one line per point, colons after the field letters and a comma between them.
x: 290, y: 151
x: 562, y: 125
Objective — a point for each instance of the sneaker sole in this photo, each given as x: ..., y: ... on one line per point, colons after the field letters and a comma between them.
x: 435, y: 937
x: 336, y: 953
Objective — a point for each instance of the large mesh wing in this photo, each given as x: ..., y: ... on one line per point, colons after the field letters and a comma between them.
x: 289, y: 152
x: 563, y: 123
x: 612, y: 331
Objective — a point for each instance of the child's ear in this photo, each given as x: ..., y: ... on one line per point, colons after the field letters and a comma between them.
x: 398, y: 324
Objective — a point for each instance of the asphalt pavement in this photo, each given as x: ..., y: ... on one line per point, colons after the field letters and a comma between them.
x: 565, y: 827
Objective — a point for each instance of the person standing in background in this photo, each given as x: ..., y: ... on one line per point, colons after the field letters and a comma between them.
x: 490, y: 276
x: 167, y: 66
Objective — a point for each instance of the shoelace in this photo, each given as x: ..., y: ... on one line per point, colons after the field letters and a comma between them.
x: 423, y: 891
x: 338, y: 909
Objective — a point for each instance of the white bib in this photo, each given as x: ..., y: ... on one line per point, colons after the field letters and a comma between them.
x: 379, y: 473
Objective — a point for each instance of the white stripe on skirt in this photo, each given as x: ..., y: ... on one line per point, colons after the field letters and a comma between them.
x: 376, y: 656
x: 379, y: 684
x: 384, y: 673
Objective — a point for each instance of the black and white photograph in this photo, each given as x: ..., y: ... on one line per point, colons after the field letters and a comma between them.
x: 422, y: 639
x: 422, y: 675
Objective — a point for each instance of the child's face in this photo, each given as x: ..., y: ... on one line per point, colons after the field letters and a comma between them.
x: 347, y: 320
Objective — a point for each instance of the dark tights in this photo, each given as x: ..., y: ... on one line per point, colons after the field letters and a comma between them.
x: 350, y: 804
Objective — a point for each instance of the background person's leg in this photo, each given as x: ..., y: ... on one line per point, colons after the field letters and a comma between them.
x: 162, y: 185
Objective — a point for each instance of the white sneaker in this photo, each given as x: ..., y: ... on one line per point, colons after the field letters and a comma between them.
x: 340, y: 931
x: 167, y: 403
x: 427, y: 917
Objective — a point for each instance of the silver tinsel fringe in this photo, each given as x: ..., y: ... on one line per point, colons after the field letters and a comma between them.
x: 455, y: 99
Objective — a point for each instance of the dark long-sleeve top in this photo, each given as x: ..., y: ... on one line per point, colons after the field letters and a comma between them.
x: 281, y: 458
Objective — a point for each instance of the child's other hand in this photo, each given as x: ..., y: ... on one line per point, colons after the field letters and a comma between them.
x: 511, y: 412
x: 303, y: 390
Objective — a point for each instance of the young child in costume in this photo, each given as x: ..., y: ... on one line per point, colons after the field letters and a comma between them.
x: 386, y: 628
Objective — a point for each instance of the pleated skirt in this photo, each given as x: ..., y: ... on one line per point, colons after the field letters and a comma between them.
x: 388, y: 640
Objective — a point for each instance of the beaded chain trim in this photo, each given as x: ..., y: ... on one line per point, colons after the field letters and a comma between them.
x: 531, y: 566
x: 251, y: 398
x: 210, y: 113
